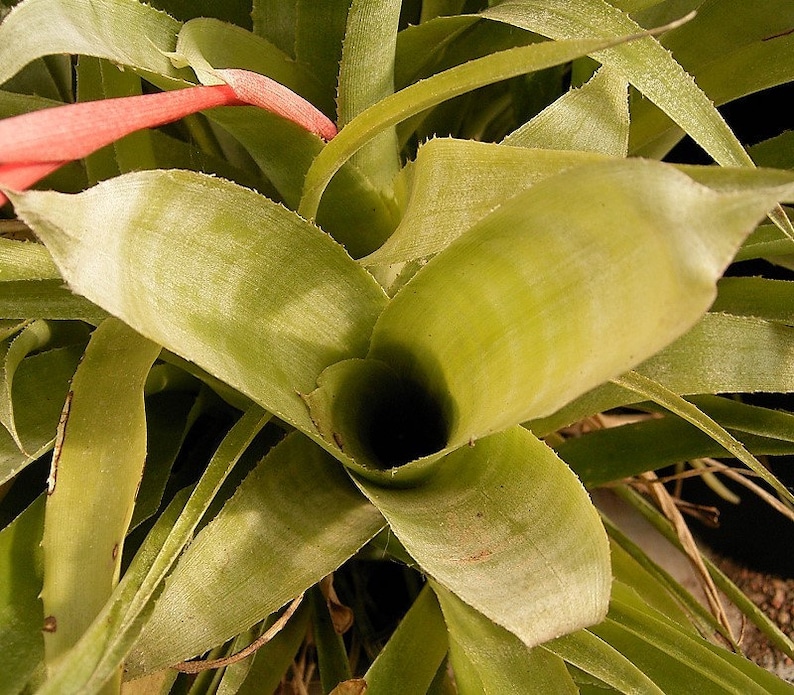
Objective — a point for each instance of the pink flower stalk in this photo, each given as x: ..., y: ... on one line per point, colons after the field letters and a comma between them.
x: 35, y: 144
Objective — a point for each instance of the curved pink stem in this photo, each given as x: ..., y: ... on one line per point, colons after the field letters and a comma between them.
x: 35, y: 144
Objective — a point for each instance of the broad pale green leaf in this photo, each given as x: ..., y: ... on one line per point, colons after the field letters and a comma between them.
x: 100, y: 28
x: 276, y: 21
x: 21, y: 616
x: 496, y: 353
x: 262, y: 550
x: 592, y: 118
x: 366, y: 75
x: 93, y: 481
x: 487, y: 659
x: 412, y: 656
x: 431, y: 92
x: 507, y: 527
x: 721, y: 354
x: 644, y: 63
x: 97, y: 656
x: 454, y: 183
x: 198, y: 265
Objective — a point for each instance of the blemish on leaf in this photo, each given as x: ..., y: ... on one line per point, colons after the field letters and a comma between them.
x: 338, y: 440
x: 50, y: 624
x: 115, y: 551
x: 56, y: 451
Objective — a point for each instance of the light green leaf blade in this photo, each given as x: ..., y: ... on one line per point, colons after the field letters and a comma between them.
x: 452, y: 184
x: 93, y: 481
x: 489, y: 660
x: 415, y: 651
x: 198, y: 265
x: 21, y: 615
x: 495, y: 354
x: 439, y: 88
x: 733, y: 49
x: 772, y: 300
x: 263, y: 672
x: 675, y: 660
x: 262, y: 550
x: 720, y: 354
x: 46, y: 299
x: 100, y: 28
x: 509, y: 529
x: 40, y: 386
x: 656, y: 392
x: 593, y: 655
x: 592, y: 118
x: 366, y: 75
x: 206, y: 43
x: 23, y: 260
x: 105, y: 645
x: 33, y: 337
x: 645, y: 63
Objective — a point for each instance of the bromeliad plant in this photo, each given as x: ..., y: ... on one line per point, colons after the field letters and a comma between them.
x: 376, y: 326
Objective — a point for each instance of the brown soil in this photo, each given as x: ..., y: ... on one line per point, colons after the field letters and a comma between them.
x: 774, y: 596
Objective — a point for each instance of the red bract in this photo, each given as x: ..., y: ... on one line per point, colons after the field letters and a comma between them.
x: 35, y: 144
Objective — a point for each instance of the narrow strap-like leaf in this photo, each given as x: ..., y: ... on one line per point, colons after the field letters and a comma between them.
x: 93, y: 480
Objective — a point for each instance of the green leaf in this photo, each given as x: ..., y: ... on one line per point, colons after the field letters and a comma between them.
x: 720, y: 354
x: 733, y: 49
x: 21, y: 616
x: 31, y: 338
x: 468, y: 344
x: 772, y: 300
x: 644, y: 63
x: 366, y: 75
x: 415, y: 651
x: 452, y: 184
x: 489, y: 660
x: 263, y: 537
x: 593, y: 655
x: 23, y: 260
x: 592, y: 118
x: 509, y: 529
x: 430, y: 92
x: 265, y: 670
x: 107, y: 642
x: 220, y: 247
x: 669, y: 400
x: 208, y: 43
x: 93, y: 481
x: 100, y: 28
x: 41, y: 383
x: 609, y: 455
x: 676, y: 661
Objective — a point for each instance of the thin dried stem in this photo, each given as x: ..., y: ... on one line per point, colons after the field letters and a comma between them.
x: 198, y: 666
